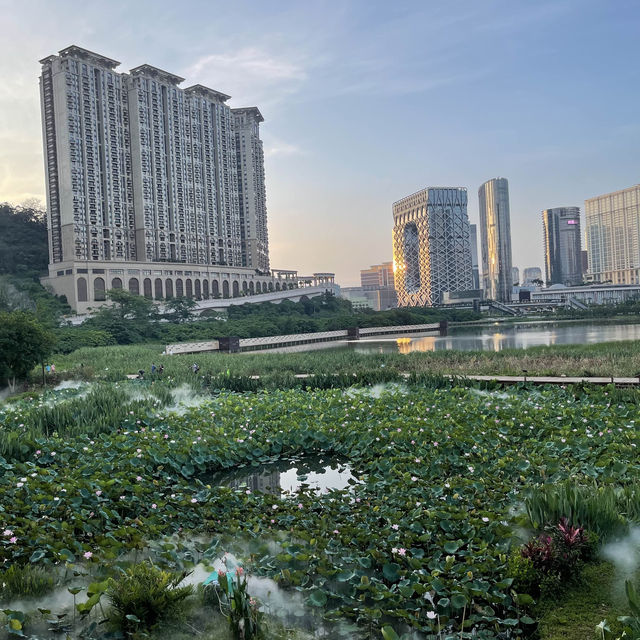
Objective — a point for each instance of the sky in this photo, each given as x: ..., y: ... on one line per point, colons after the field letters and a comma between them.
x: 368, y: 101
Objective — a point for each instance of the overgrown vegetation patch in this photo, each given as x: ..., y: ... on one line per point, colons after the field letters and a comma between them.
x: 420, y: 540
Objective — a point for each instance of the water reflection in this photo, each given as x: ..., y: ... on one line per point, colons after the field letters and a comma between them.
x: 288, y: 476
x: 499, y: 338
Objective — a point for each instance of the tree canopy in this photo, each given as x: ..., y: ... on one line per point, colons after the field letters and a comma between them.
x: 24, y: 343
x: 24, y: 248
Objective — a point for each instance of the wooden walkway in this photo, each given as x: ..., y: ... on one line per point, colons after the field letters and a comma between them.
x: 602, y: 380
x: 537, y: 380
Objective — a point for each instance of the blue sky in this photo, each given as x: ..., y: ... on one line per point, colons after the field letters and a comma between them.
x: 366, y: 102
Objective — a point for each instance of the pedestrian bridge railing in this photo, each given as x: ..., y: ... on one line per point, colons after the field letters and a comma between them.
x: 290, y: 340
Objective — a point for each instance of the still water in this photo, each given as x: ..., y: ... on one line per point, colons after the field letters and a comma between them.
x: 287, y: 476
x: 499, y: 337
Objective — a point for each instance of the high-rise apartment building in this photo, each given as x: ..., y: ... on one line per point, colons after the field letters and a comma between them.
x: 145, y: 178
x: 562, y: 245
x: 530, y: 274
x: 377, y: 276
x: 613, y: 242
x: 251, y: 189
x: 515, y: 276
x: 475, y: 271
x: 495, y: 236
x: 431, y: 246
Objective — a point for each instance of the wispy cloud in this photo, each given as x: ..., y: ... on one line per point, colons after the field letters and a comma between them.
x: 251, y: 75
x: 276, y: 147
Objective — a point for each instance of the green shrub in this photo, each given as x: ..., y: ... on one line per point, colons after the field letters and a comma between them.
x: 71, y: 338
x: 20, y: 581
x: 525, y: 577
x: 146, y: 595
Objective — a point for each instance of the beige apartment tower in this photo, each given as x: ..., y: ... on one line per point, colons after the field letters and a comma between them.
x: 148, y: 182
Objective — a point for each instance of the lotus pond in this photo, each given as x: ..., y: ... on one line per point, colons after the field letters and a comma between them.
x: 413, y: 540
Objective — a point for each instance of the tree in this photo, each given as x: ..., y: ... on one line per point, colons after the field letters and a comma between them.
x: 23, y: 344
x: 23, y: 240
x: 180, y: 309
x: 130, y: 319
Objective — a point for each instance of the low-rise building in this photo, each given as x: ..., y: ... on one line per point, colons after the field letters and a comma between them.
x: 591, y: 294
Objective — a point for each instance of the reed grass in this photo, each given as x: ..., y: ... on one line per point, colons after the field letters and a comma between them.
x: 605, y: 510
x: 113, y: 363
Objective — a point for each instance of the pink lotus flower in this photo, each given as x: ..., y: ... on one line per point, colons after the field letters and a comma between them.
x: 239, y: 571
x: 13, y: 540
x: 402, y: 552
x: 87, y: 555
x: 99, y: 492
x: 154, y: 506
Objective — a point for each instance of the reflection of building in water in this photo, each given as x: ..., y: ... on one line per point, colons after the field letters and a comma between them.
x: 263, y: 482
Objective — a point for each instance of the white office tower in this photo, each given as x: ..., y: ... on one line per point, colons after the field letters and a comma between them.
x: 495, y: 236
x: 431, y: 246
x: 145, y: 178
x: 613, y: 237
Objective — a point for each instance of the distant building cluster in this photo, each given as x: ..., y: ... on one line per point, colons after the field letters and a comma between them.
x: 376, y: 290
x: 434, y: 245
x: 145, y: 178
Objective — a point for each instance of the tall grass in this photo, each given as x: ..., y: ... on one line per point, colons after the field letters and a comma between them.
x: 102, y: 409
x: 606, y: 510
x: 114, y: 363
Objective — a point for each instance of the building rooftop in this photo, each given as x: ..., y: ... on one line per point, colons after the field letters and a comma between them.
x: 252, y: 111
x: 211, y: 93
x: 148, y: 70
x: 79, y: 52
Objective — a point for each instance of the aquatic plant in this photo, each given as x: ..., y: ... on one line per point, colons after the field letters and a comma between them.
x: 24, y: 581
x: 439, y: 475
x: 145, y: 595
x: 605, y: 510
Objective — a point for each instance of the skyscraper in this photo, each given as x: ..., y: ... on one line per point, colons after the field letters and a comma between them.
x: 145, y: 178
x: 473, y: 236
x: 495, y: 236
x: 562, y: 245
x: 613, y: 236
x: 515, y: 276
x: 431, y: 245
x: 251, y: 188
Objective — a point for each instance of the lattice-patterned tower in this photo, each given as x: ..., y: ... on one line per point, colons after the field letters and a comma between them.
x: 431, y: 246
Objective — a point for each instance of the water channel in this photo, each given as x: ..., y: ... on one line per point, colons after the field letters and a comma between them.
x: 489, y: 337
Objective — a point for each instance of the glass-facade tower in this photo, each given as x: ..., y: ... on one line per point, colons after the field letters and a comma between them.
x: 431, y: 246
x: 562, y: 246
x: 495, y: 237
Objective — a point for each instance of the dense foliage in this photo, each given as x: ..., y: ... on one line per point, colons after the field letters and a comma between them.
x: 23, y: 240
x: 133, y: 319
x: 23, y: 344
x: 420, y: 539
